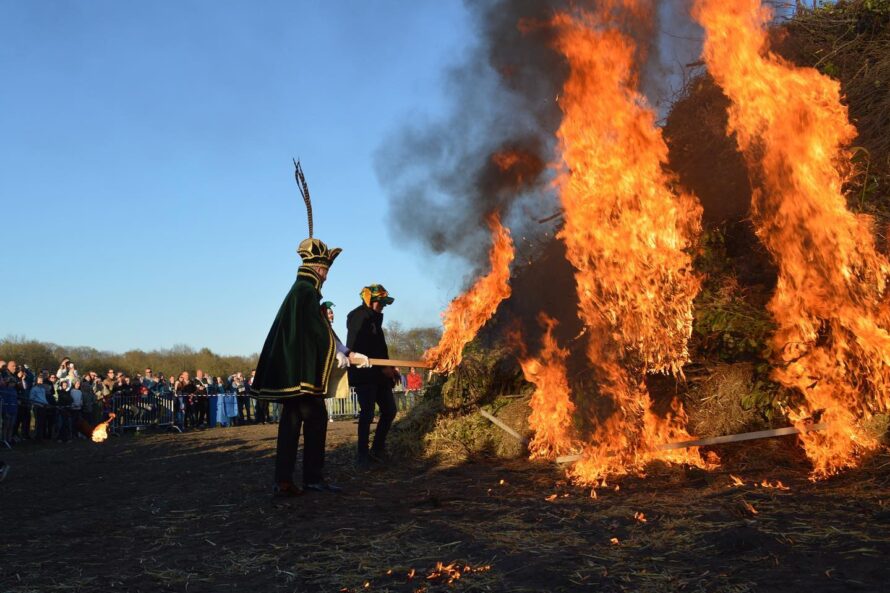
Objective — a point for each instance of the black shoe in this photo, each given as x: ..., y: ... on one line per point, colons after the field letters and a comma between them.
x: 323, y: 487
x: 4, y: 469
x: 287, y: 490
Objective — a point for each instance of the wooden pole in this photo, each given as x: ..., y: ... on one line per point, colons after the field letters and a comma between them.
x: 391, y: 362
x: 500, y: 424
x: 729, y: 438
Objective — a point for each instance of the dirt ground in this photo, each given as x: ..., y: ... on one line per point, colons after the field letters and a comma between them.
x: 193, y: 513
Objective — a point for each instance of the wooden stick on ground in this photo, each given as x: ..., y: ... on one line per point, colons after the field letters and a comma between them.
x: 728, y: 438
x: 500, y: 424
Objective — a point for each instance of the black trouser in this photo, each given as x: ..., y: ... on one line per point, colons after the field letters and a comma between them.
x: 369, y: 395
x: 309, y: 413
x: 49, y: 422
x: 262, y: 411
x: 203, y: 407
x: 64, y: 424
x: 190, y: 412
x: 23, y: 420
x: 74, y: 421
x: 39, y: 422
x: 243, y: 409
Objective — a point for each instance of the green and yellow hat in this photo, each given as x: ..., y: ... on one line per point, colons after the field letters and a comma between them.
x: 376, y: 293
x: 314, y: 252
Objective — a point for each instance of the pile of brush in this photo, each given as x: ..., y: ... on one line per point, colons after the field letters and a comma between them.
x: 445, y: 425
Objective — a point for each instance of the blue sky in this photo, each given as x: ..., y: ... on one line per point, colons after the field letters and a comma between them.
x: 145, y: 176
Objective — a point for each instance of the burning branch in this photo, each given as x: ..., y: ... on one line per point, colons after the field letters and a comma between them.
x: 627, y: 234
x: 830, y: 302
x: 467, y: 313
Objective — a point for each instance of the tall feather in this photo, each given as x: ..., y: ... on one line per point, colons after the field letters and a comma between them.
x: 304, y: 191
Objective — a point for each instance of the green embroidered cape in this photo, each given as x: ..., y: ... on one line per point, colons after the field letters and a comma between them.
x: 300, y: 351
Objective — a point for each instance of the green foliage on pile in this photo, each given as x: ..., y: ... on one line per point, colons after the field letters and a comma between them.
x: 731, y: 325
x: 445, y: 426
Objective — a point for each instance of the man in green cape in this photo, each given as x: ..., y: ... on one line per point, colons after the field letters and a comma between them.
x: 294, y: 369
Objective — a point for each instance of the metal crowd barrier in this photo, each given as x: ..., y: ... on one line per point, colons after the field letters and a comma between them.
x: 347, y: 407
x: 141, y: 411
x: 343, y: 407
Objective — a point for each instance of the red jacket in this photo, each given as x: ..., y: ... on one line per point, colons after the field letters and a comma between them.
x: 415, y: 381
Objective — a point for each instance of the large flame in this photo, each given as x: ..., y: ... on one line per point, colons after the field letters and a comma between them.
x: 830, y: 302
x: 551, y: 403
x: 468, y: 313
x: 627, y: 235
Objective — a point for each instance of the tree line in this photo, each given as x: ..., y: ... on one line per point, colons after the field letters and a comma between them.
x: 403, y: 343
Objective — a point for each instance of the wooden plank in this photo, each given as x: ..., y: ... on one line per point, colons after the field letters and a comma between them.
x: 729, y: 438
x: 392, y: 362
x: 500, y: 424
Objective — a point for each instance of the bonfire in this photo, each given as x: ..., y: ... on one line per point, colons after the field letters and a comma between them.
x: 630, y: 233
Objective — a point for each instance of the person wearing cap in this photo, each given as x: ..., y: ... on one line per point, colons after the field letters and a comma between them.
x: 327, y: 311
x: 373, y: 386
x: 327, y: 308
x: 294, y: 369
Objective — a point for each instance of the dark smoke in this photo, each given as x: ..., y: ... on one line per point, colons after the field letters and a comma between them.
x: 444, y: 178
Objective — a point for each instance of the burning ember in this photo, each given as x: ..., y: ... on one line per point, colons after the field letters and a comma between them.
x: 830, y: 304
x: 449, y: 573
x: 777, y: 485
x: 627, y: 235
x: 468, y: 313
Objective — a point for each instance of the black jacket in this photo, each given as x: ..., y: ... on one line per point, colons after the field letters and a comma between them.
x: 364, y: 327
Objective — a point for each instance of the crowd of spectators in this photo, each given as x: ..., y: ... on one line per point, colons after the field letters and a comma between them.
x: 46, y: 406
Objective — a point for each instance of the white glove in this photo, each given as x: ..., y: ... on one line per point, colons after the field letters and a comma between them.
x: 360, y: 360
x: 342, y: 360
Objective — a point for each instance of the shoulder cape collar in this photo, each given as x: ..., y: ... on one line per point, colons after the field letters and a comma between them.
x: 307, y: 274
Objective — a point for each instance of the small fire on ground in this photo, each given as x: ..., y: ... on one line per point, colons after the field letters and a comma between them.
x: 100, y: 432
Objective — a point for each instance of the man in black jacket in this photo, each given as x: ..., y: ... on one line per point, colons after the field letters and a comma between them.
x: 373, y: 386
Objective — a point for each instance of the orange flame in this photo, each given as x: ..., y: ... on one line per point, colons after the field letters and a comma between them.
x: 100, y: 433
x: 551, y: 404
x: 627, y: 235
x: 778, y: 485
x: 830, y: 302
x: 468, y: 313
